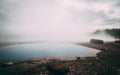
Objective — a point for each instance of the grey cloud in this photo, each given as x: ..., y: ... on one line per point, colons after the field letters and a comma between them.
x: 109, y: 18
x: 86, y: 15
x: 6, y: 10
x: 60, y: 10
x: 114, y: 21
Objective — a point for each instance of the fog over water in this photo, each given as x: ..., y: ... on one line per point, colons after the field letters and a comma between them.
x: 57, y: 20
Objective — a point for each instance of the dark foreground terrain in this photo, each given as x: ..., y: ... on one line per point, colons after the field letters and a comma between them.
x: 107, y: 62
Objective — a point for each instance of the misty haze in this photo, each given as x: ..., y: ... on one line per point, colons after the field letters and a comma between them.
x: 59, y: 37
x: 54, y: 20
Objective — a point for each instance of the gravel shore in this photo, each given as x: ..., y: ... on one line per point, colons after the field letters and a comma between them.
x: 107, y: 62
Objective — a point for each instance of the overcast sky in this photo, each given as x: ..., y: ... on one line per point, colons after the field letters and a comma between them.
x: 56, y: 19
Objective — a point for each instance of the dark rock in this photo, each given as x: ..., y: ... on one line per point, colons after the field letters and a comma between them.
x: 8, y: 64
x: 78, y: 58
x: 117, y: 42
x: 58, y: 68
x: 96, y: 41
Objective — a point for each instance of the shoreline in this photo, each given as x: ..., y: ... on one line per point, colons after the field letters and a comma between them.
x: 105, y: 63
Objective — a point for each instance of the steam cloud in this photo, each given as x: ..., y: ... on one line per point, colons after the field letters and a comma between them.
x: 56, y: 20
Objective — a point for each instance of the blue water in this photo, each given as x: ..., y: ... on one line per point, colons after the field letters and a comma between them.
x: 27, y: 51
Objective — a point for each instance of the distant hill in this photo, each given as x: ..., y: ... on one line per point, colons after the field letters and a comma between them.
x: 112, y: 32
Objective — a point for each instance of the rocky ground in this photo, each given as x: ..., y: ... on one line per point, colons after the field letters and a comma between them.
x: 107, y: 62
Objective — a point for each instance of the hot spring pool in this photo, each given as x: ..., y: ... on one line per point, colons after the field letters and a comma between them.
x: 27, y: 51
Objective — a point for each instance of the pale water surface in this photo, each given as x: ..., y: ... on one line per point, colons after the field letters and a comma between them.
x: 27, y: 51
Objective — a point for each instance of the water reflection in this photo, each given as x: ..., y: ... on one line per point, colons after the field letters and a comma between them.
x: 26, y: 51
